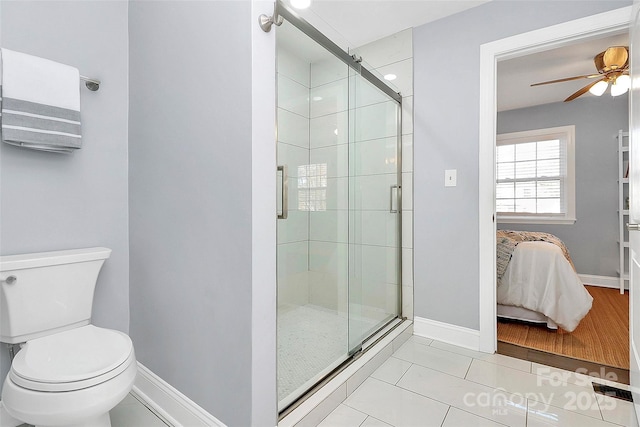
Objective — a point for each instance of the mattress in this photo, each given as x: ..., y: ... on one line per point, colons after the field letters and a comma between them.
x: 520, y: 313
x: 539, y: 278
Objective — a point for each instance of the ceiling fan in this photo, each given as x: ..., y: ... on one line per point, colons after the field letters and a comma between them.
x: 612, y: 66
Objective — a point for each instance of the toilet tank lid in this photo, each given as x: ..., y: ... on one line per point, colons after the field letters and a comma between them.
x: 43, y: 259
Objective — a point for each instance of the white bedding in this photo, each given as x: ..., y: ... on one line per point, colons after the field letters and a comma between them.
x: 540, y: 278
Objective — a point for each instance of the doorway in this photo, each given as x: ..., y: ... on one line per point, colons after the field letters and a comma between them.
x: 536, y: 41
x: 555, y: 159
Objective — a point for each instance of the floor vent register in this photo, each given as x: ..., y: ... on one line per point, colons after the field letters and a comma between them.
x: 618, y: 393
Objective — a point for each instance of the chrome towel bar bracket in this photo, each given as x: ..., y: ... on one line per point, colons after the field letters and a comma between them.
x: 91, y: 84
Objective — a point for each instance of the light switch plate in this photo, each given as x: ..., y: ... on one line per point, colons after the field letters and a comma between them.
x: 450, y: 177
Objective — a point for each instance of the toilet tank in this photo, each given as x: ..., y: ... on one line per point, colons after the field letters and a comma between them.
x: 52, y: 292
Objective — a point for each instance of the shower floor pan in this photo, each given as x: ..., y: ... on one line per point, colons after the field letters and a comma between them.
x: 312, y: 341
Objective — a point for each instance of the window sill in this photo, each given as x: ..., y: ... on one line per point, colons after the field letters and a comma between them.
x: 535, y: 220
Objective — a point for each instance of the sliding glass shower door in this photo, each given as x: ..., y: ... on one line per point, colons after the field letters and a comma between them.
x: 338, y: 213
x: 374, y: 249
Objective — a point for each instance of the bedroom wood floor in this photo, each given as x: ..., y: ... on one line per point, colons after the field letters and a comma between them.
x: 602, y: 336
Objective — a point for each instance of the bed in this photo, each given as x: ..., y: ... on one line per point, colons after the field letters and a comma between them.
x: 537, y: 281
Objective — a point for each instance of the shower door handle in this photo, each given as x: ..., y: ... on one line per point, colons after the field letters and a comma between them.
x: 285, y: 192
x: 391, y: 198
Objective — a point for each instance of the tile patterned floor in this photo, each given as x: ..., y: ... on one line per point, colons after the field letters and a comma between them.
x: 131, y: 413
x: 429, y: 383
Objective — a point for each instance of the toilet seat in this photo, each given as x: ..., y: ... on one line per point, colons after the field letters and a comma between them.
x: 72, y: 360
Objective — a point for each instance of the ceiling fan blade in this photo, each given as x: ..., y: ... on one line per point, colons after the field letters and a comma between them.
x: 583, y: 90
x: 587, y: 76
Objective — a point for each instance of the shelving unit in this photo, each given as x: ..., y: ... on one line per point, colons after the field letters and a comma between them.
x: 623, y: 208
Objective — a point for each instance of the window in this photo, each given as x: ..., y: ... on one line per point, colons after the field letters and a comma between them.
x: 312, y: 187
x: 535, y: 172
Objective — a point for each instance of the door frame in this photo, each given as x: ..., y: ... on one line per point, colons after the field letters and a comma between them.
x: 607, y: 23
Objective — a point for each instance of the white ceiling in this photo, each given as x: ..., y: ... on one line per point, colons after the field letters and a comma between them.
x: 516, y: 75
x: 354, y: 23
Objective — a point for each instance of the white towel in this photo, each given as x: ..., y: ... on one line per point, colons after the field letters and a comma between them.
x: 40, y: 103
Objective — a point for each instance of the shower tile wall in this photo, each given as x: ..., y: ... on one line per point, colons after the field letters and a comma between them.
x: 394, y: 55
x: 373, y: 272
x: 313, y: 265
x: 337, y: 101
x: 293, y: 150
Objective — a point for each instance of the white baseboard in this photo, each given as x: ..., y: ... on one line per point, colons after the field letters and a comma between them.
x: 445, y: 332
x: 155, y: 393
x: 169, y: 403
x: 602, y: 281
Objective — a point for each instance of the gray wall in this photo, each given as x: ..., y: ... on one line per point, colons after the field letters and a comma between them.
x: 593, y: 239
x: 446, y: 137
x: 190, y: 199
x: 56, y: 201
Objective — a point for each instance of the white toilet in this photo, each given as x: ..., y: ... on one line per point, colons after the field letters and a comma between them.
x: 67, y: 372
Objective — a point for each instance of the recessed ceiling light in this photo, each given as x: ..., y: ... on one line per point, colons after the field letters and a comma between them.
x: 301, y: 4
x: 390, y: 77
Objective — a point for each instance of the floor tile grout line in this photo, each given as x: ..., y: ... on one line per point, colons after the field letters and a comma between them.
x: 404, y: 373
x: 597, y: 402
x: 468, y: 368
x: 357, y: 410
x: 433, y: 398
x: 473, y: 382
x: 576, y: 411
x: 599, y: 409
x: 516, y: 392
x: 416, y: 393
x: 445, y: 403
x: 531, y: 371
x: 445, y: 416
x: 482, y: 360
x: 432, y: 368
x: 362, y: 412
x: 576, y: 375
x: 480, y: 416
x: 375, y: 418
x: 495, y: 388
x: 564, y: 382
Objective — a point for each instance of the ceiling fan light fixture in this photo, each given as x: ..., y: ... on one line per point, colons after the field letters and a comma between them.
x: 599, y: 88
x: 620, y: 85
x: 612, y: 65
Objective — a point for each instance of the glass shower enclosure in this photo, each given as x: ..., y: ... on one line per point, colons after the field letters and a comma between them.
x: 339, y: 198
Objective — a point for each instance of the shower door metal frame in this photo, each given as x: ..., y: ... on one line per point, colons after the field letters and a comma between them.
x: 354, y: 62
x: 351, y: 60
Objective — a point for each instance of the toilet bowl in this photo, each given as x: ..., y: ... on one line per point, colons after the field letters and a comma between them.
x: 67, y: 372
x: 71, y: 378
